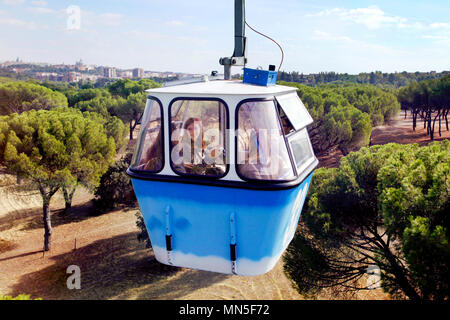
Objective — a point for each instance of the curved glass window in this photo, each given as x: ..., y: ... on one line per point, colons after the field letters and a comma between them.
x: 197, y: 137
x: 261, y: 147
x: 149, y: 152
x: 301, y: 149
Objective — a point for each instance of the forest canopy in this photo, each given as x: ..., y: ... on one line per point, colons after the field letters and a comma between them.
x: 386, y: 206
x: 344, y: 115
x: 20, y: 96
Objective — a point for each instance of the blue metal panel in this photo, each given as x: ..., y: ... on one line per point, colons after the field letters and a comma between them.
x: 264, y: 223
x: 260, y: 77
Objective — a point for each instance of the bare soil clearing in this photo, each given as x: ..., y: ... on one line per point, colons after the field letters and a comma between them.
x: 398, y: 130
x: 114, y: 265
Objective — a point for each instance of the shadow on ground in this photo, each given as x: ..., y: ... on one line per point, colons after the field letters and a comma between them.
x: 32, y: 218
x: 116, y: 268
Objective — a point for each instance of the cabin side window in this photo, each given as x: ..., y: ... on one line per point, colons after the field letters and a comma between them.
x: 286, y: 124
x: 149, y: 155
x: 301, y: 149
x: 294, y: 118
x: 198, y: 137
x: 262, y: 152
x: 295, y: 110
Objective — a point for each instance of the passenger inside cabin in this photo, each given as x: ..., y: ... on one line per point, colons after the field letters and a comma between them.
x: 262, y: 153
x: 193, y: 142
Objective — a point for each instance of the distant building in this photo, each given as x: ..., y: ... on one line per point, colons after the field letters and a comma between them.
x: 72, y: 77
x: 138, y: 73
x: 79, y: 65
x: 48, y: 76
x: 109, y: 72
x: 125, y: 74
x: 168, y: 75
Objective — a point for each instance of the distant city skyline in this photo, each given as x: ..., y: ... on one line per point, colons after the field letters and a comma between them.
x: 80, y: 65
x: 343, y: 36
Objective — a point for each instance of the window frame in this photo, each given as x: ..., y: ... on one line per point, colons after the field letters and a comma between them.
x: 236, y: 124
x: 290, y: 138
x: 226, y: 141
x: 139, y: 146
x: 302, y: 124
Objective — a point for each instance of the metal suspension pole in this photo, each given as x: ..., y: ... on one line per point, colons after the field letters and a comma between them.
x: 239, y: 54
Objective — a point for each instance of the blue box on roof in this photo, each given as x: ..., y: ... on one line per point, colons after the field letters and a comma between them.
x: 260, y: 77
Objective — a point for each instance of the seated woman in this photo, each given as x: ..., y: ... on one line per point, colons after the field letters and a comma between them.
x: 191, y: 141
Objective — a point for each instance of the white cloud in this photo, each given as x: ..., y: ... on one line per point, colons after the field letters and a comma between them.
x: 41, y: 10
x: 372, y: 17
x: 434, y: 37
x: 13, y: 2
x: 110, y: 19
x: 39, y: 3
x: 412, y: 26
x: 321, y: 35
x: 440, y: 41
x: 91, y: 21
x: 440, y: 25
x: 175, y: 23
x: 17, y: 23
x: 149, y: 35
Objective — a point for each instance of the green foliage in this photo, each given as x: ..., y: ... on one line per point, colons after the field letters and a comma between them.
x: 134, y: 92
x: 101, y: 110
x: 133, y: 107
x: 115, y: 187
x: 126, y: 87
x: 376, y: 78
x: 429, y: 101
x: 387, y: 206
x: 75, y: 96
x: 344, y: 114
x: 125, y: 99
x: 19, y: 96
x: 53, y: 149
x: 62, y: 87
x: 105, y: 106
x: 56, y: 146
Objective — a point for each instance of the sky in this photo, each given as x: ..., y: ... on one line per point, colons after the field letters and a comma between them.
x: 190, y: 36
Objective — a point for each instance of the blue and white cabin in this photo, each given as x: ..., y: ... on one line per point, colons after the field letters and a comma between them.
x: 221, y: 170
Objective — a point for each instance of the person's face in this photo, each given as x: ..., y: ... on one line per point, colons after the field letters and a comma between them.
x: 191, y: 129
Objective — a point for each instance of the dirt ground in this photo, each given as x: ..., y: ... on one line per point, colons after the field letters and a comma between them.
x: 398, y: 130
x: 113, y: 264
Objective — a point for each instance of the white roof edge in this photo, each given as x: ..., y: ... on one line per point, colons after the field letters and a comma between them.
x: 222, y: 87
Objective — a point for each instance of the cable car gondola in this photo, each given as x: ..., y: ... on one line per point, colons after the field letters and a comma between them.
x: 221, y: 170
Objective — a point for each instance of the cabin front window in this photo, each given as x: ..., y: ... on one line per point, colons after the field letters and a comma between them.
x: 197, y: 137
x: 149, y: 155
x: 262, y: 152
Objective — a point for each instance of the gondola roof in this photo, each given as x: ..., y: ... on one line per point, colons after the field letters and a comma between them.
x: 222, y: 87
